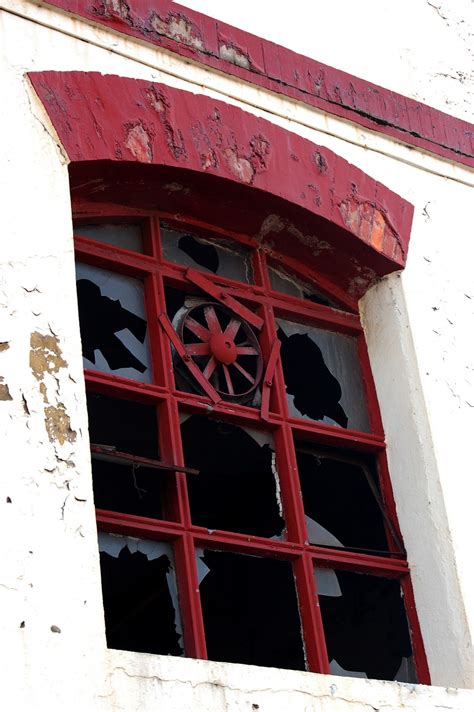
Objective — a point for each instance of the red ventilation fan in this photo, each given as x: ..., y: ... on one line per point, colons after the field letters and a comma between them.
x: 223, y: 346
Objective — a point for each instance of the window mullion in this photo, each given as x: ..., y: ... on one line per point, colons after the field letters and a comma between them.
x: 311, y: 621
x: 189, y: 596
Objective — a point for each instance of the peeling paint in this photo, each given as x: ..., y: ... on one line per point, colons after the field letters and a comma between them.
x: 244, y: 167
x: 320, y: 162
x: 174, y: 137
x: 139, y: 141
x: 177, y: 27
x: 4, y: 391
x: 58, y: 424
x: 231, y: 53
x: 45, y: 355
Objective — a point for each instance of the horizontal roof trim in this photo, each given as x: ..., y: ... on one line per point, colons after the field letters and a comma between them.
x: 208, y: 41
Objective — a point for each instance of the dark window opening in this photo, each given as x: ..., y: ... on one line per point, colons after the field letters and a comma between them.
x: 237, y: 486
x: 250, y: 610
x: 366, y: 628
x: 140, y: 596
x: 340, y: 495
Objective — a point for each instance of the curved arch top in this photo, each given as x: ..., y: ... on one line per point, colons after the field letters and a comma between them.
x: 150, y: 145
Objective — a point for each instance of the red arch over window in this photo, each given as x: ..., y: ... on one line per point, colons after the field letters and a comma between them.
x: 152, y: 146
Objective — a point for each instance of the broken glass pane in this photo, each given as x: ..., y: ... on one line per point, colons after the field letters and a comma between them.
x: 206, y: 255
x: 124, y: 424
x: 237, y: 488
x: 113, y: 323
x: 282, y: 282
x: 322, y: 376
x: 125, y: 427
x: 366, y: 628
x: 339, y: 503
x: 250, y: 610
x: 140, y: 595
x: 126, y: 236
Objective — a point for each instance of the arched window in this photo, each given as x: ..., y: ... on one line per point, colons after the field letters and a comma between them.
x: 243, y: 498
x: 276, y: 543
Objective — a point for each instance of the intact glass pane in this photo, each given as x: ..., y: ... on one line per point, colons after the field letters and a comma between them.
x: 322, y: 376
x: 206, y: 255
x: 365, y: 626
x: 113, y: 323
x: 126, y: 236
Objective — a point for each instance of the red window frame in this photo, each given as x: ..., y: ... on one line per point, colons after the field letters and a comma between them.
x: 179, y: 529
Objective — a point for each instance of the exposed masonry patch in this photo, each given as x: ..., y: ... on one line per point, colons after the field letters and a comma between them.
x: 109, y: 8
x: 139, y: 141
x: 4, y: 345
x: 371, y: 225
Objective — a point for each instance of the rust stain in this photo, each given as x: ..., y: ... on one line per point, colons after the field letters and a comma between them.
x: 176, y: 26
x: 45, y: 355
x: 4, y: 345
x: 139, y: 141
x: 58, y: 424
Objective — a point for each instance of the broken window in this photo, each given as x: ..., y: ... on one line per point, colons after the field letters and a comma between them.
x: 126, y: 236
x: 283, y: 281
x: 341, y: 499
x: 322, y: 375
x: 124, y: 442
x: 250, y: 610
x: 242, y: 495
x: 140, y: 595
x: 206, y: 254
x: 366, y: 627
x: 113, y: 323
x: 237, y: 488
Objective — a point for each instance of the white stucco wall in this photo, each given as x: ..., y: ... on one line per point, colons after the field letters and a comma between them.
x: 418, y: 330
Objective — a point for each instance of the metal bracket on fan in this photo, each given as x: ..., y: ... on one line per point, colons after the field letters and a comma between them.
x: 217, y: 293
x: 207, y: 387
x: 268, y: 379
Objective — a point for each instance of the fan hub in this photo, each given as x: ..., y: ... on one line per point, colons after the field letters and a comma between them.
x: 223, y: 349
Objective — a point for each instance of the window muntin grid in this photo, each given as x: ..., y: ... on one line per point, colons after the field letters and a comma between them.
x: 172, y: 403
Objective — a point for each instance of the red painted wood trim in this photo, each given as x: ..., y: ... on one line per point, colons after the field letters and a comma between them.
x: 266, y: 64
x: 331, y: 216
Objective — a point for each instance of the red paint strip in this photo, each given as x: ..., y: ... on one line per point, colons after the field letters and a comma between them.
x: 258, y: 61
